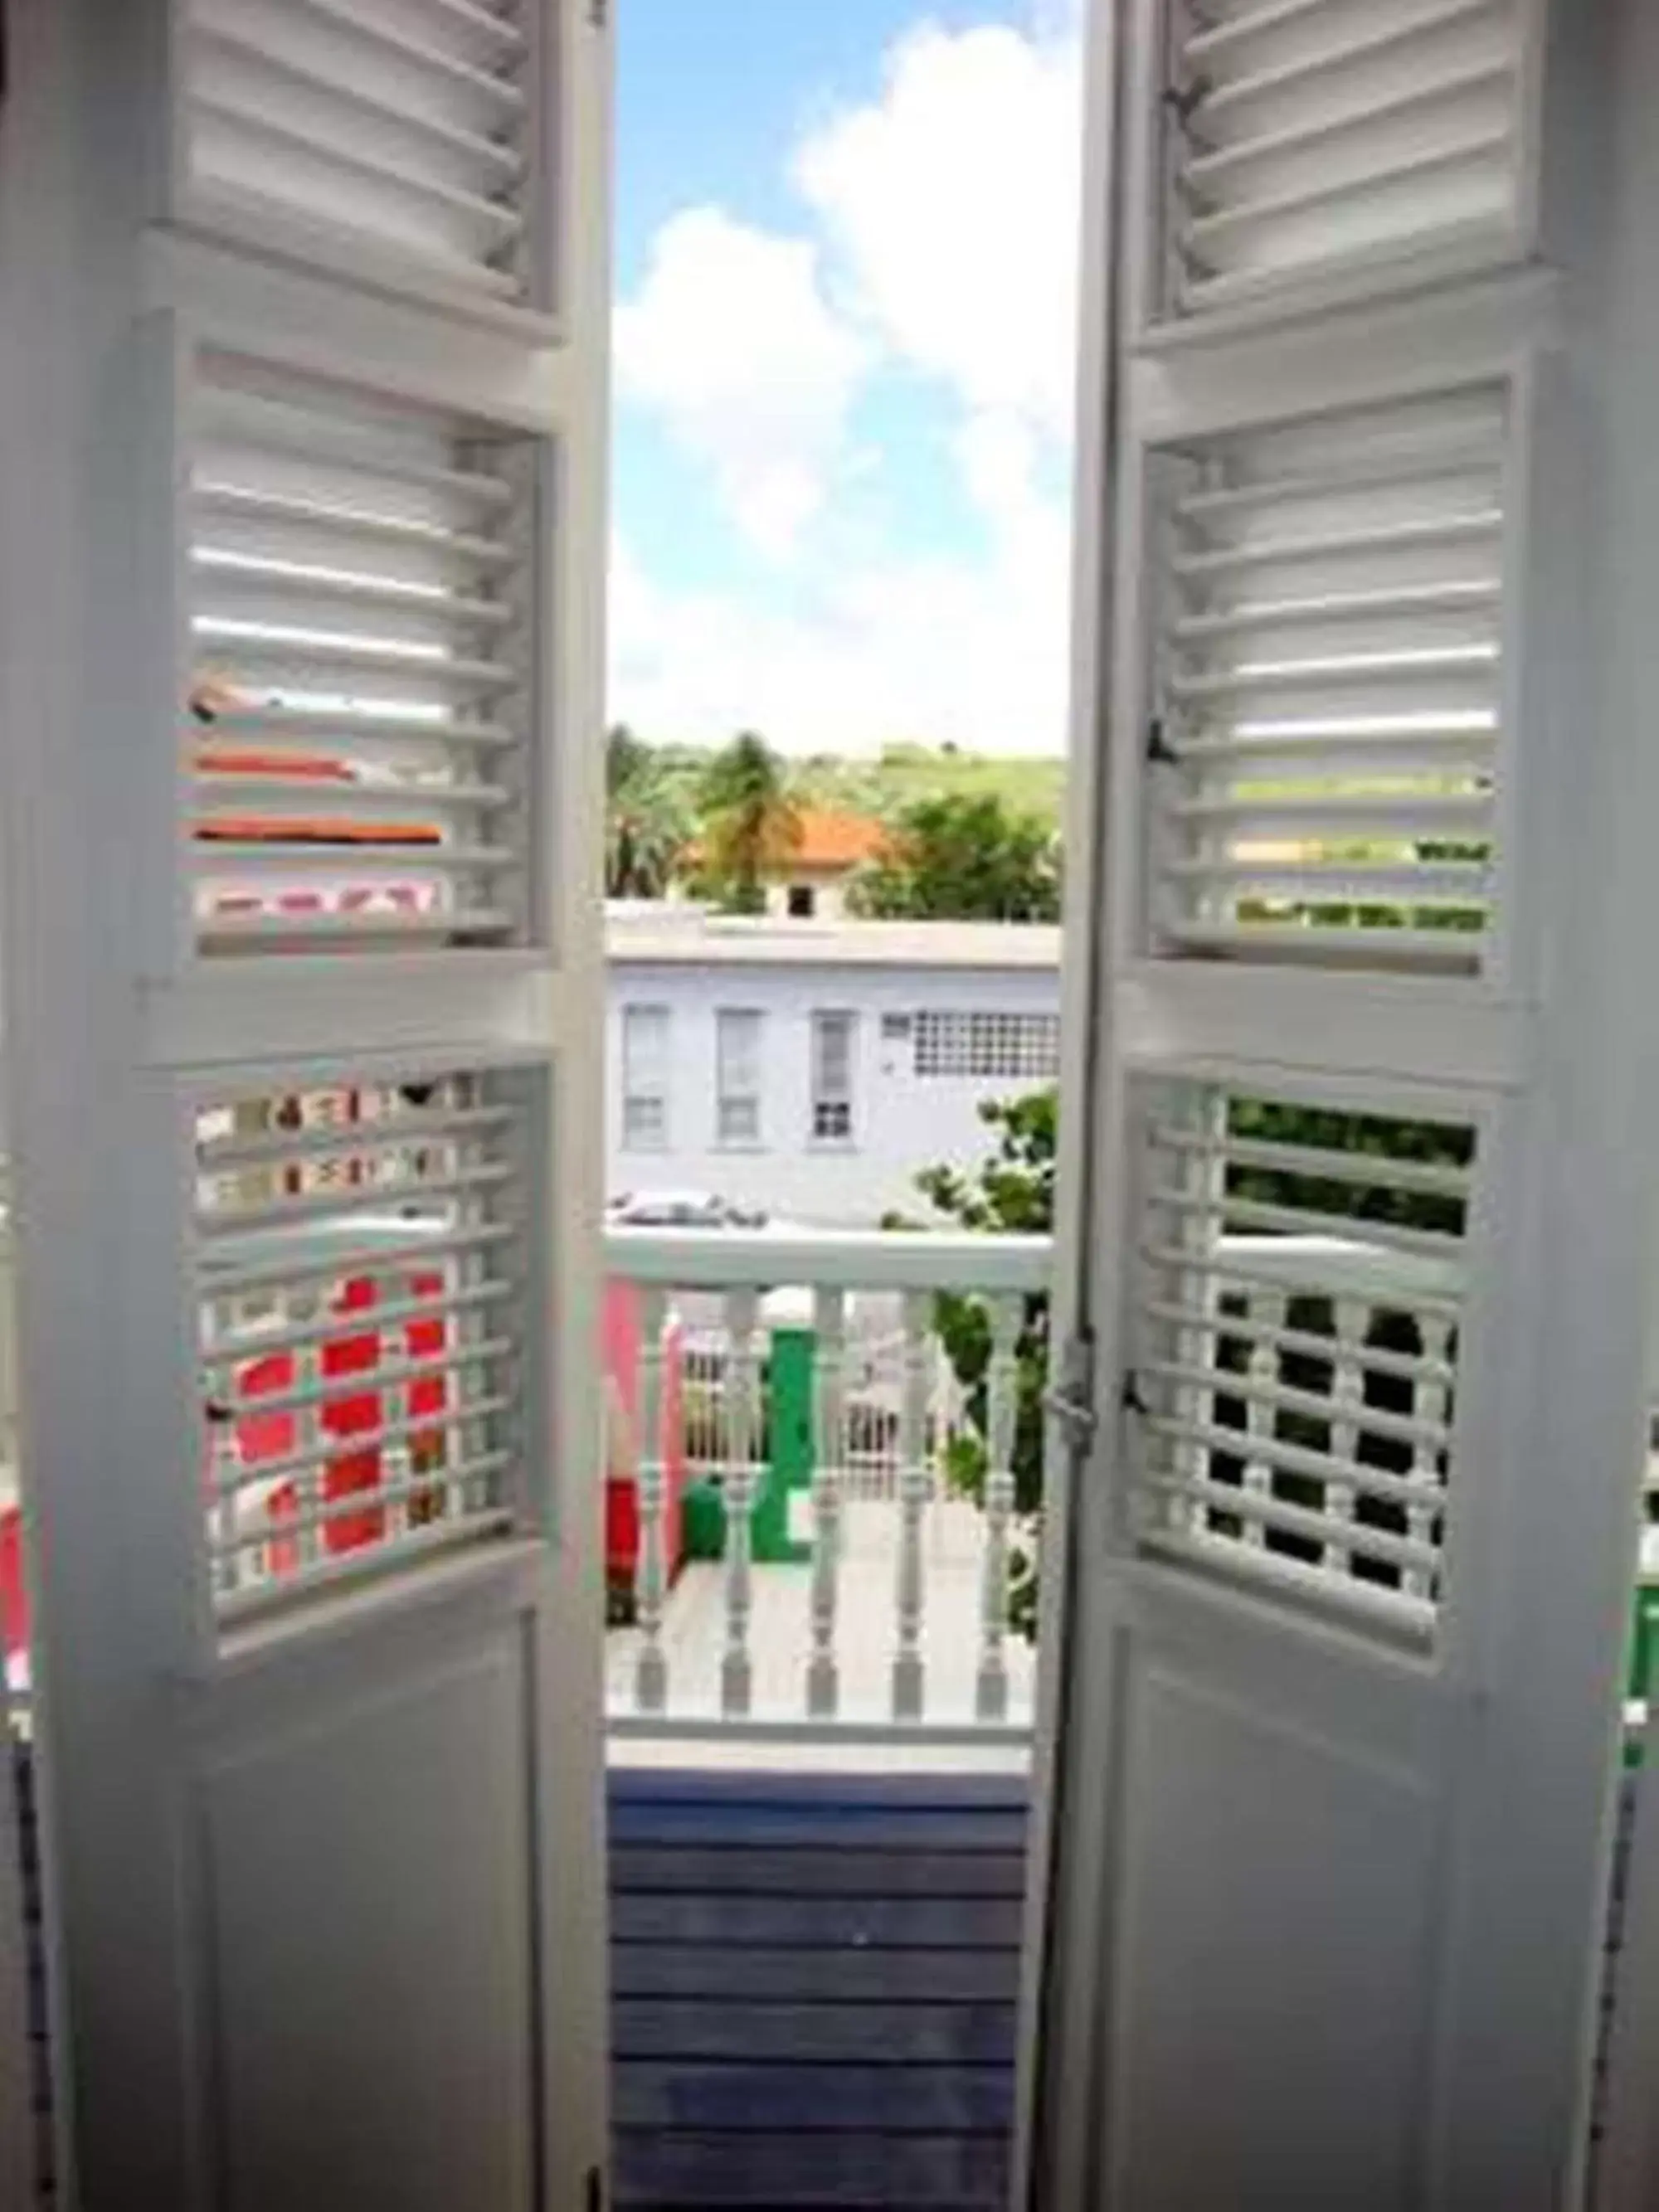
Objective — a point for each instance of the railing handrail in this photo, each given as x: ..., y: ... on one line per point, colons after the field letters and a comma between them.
x: 828, y: 1258
x: 958, y: 1260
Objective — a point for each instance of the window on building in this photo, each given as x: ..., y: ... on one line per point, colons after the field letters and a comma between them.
x: 738, y: 1075
x: 832, y: 1077
x: 802, y: 902
x: 1006, y: 1047
x: 644, y: 1078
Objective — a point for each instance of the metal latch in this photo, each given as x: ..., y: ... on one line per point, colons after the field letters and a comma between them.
x: 1069, y: 1401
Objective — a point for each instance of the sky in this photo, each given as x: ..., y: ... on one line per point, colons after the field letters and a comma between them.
x: 846, y: 248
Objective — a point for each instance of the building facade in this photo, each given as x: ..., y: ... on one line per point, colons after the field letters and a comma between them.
x: 812, y: 1069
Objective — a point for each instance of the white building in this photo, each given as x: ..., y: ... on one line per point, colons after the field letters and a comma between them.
x: 813, y: 1068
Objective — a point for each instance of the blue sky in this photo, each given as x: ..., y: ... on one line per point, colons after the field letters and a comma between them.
x: 845, y: 237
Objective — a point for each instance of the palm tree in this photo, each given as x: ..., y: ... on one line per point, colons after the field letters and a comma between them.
x: 646, y: 830
x: 750, y: 823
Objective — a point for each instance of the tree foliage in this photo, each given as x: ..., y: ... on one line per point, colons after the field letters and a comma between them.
x: 647, y: 823
x: 1011, y: 1192
x: 750, y: 823
x: 962, y: 856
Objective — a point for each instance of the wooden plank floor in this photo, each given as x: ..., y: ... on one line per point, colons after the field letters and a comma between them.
x: 814, y: 1987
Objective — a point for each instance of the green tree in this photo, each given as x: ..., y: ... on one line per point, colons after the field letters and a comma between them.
x: 647, y: 826
x: 962, y: 856
x: 749, y: 822
x: 1010, y: 1192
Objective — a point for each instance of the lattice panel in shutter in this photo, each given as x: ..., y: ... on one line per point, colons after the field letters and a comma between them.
x: 404, y: 129
x: 363, y: 730
x: 362, y: 1307
x: 1327, y: 686
x: 1301, y: 138
x: 1298, y: 1277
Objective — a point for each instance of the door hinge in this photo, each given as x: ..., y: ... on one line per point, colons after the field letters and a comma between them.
x: 594, y: 2195
x: 1069, y: 1401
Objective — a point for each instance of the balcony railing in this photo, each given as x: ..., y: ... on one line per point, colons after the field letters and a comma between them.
x: 794, y: 1546
x: 790, y: 1545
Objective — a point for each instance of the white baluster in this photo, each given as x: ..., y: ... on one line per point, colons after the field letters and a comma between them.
x: 1001, y: 1423
x: 1347, y: 1402
x: 651, y: 1574
x: 1430, y: 1398
x: 744, y: 1443
x: 823, y: 1674
x: 916, y: 1487
x: 1268, y: 1308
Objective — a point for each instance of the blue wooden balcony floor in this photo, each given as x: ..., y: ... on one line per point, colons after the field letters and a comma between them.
x: 815, y: 1979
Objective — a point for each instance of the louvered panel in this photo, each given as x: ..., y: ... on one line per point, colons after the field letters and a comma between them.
x: 362, y: 580
x: 404, y: 129
x: 1327, y: 685
x: 1305, y: 138
x: 362, y: 1323
x: 1298, y: 1284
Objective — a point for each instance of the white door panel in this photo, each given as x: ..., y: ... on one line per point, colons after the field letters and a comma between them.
x: 305, y: 314
x: 1352, y: 1189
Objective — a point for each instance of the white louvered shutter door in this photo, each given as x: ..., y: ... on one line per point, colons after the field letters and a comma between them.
x: 412, y: 142
x: 1352, y: 1239
x: 1299, y: 140
x: 303, y: 588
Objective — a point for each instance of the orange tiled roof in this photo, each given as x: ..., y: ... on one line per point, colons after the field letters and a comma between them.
x: 831, y: 839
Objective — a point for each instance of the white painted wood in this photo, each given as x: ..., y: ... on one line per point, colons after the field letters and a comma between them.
x: 823, y: 1672
x: 1002, y: 1416
x: 745, y: 1453
x: 915, y: 1488
x: 1367, y: 1825
x: 20, y: 2126
x: 651, y: 1583
x: 250, y: 1805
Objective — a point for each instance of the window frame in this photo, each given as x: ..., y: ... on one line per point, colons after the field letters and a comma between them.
x: 634, y: 1091
x: 831, y: 1119
x: 729, y: 1094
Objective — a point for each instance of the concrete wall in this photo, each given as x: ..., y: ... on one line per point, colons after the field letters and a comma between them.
x: 901, y: 1122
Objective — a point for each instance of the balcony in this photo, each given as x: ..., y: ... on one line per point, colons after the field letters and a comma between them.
x: 819, y: 1709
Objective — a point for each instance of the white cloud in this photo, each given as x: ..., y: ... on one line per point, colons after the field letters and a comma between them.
x: 932, y: 650
x: 942, y: 240
x: 950, y: 209
x: 730, y: 339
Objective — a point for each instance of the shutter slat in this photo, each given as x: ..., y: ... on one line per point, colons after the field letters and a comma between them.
x: 358, y: 1140
x: 290, y: 591
x: 216, y: 1222
x: 342, y: 859
x: 1328, y: 681
x: 363, y: 576
x: 1382, y: 30
x: 473, y: 149
x: 379, y: 30
x: 332, y: 1393
x: 358, y: 1340
x: 276, y: 723
x: 317, y: 1576
x: 377, y: 927
x: 1307, y: 138
x: 335, y: 1446
x: 289, y: 517
x: 1287, y: 1299
x: 234, y: 793
x: 497, y: 223
x: 1266, y: 1512
x: 222, y: 1344
x: 393, y: 130
x: 1353, y: 817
